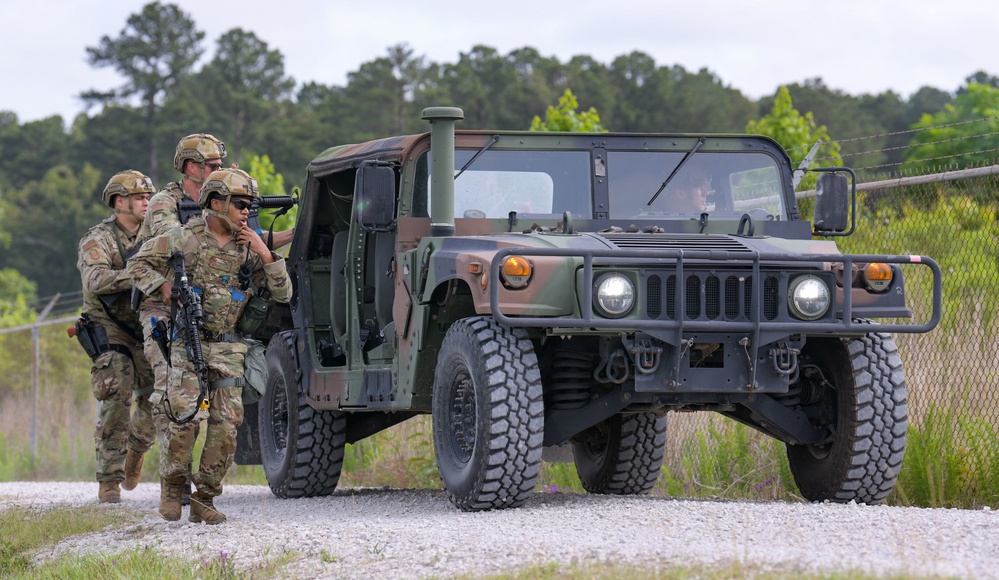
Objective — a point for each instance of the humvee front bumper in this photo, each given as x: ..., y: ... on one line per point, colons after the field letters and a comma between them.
x: 718, y: 321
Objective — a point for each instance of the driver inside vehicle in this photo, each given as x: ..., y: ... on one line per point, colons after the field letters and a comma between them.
x: 690, y: 195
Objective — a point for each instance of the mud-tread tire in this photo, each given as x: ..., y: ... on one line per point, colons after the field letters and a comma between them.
x: 629, y: 457
x: 301, y: 448
x: 863, y: 460
x: 489, y: 459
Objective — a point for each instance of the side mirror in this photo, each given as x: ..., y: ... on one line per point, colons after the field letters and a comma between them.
x: 832, y: 202
x: 374, y: 196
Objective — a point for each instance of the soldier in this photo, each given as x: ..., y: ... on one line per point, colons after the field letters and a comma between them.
x: 692, y: 190
x: 196, y: 157
x: 109, y: 331
x: 227, y: 263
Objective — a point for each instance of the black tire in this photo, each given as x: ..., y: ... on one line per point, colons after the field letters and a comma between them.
x: 488, y: 415
x: 859, y: 382
x: 622, y: 455
x: 301, y: 448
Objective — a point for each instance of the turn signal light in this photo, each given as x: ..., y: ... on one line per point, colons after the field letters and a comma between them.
x: 878, y: 276
x: 516, y: 271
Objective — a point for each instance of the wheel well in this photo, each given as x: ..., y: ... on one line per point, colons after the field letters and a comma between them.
x: 451, y: 301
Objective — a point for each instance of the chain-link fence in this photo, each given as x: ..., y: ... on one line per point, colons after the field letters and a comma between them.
x: 953, y: 452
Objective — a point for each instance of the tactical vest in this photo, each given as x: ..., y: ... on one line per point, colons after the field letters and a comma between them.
x: 113, y: 307
x: 215, y: 272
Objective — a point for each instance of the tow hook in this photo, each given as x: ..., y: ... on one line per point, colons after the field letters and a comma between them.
x: 785, y: 359
x: 646, y: 356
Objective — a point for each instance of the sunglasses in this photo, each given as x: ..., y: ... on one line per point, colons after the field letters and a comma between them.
x: 241, y: 204
x: 212, y: 166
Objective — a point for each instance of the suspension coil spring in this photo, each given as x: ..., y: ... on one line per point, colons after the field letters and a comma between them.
x: 572, y: 378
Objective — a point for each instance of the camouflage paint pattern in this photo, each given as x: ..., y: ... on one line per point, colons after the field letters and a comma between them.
x: 428, y: 269
x: 124, y: 421
x: 215, y: 271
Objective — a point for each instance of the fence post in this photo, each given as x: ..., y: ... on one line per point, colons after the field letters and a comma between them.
x: 35, y: 361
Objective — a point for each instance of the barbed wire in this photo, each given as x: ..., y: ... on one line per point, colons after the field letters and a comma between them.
x: 903, y: 132
x: 927, y: 159
x: 910, y: 146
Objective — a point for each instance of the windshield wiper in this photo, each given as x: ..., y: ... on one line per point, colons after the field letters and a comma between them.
x: 700, y: 141
x: 476, y: 156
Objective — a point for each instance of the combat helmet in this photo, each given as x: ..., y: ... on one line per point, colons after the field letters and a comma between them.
x: 227, y: 183
x: 128, y: 182
x: 199, y: 147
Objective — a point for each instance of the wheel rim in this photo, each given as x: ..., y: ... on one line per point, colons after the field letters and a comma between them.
x: 279, y: 416
x: 595, y: 447
x: 461, y: 416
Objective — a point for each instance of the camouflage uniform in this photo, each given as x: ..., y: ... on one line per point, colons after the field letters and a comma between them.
x: 122, y: 370
x: 215, y: 271
x: 162, y: 215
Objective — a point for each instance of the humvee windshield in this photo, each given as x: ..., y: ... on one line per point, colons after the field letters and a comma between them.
x: 720, y: 184
x: 547, y: 183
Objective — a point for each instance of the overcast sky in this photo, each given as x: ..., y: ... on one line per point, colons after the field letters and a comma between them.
x: 856, y: 46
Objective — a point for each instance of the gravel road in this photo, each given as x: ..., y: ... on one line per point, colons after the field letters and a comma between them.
x: 370, y: 533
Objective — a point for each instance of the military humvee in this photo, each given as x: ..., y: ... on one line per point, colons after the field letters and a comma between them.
x: 536, y: 291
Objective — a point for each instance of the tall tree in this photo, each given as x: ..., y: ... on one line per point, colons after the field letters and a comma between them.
x: 157, y: 48
x: 27, y: 151
x: 473, y: 83
x: 963, y: 135
x: 46, y: 219
x: 410, y: 74
x: 243, y: 83
x: 797, y: 133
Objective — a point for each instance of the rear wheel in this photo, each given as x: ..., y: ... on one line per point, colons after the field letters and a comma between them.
x: 622, y: 455
x: 301, y: 448
x: 856, y: 389
x: 488, y: 415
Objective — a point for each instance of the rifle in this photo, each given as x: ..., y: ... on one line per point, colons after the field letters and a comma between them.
x: 188, y: 208
x: 189, y: 318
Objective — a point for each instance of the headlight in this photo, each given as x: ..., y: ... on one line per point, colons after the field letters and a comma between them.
x: 809, y: 298
x: 615, y: 295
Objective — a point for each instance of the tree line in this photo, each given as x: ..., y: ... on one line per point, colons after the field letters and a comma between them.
x: 51, y: 172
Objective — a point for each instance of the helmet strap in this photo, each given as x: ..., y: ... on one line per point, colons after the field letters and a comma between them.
x: 223, y: 216
x: 131, y: 211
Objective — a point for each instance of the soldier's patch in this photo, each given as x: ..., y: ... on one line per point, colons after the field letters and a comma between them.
x: 218, y: 263
x: 95, y: 255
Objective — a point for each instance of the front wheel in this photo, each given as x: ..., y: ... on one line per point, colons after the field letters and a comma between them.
x: 856, y: 389
x: 622, y: 455
x: 301, y: 448
x: 488, y: 415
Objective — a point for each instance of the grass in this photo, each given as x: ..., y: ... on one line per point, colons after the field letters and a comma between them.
x: 952, y: 460
x: 26, y: 530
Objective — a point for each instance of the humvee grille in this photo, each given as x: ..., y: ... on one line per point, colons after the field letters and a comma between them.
x: 709, y: 296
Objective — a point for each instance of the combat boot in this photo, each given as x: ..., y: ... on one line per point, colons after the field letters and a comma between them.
x: 108, y: 492
x: 133, y: 470
x: 185, y: 493
x: 170, y: 500
x: 203, y: 510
